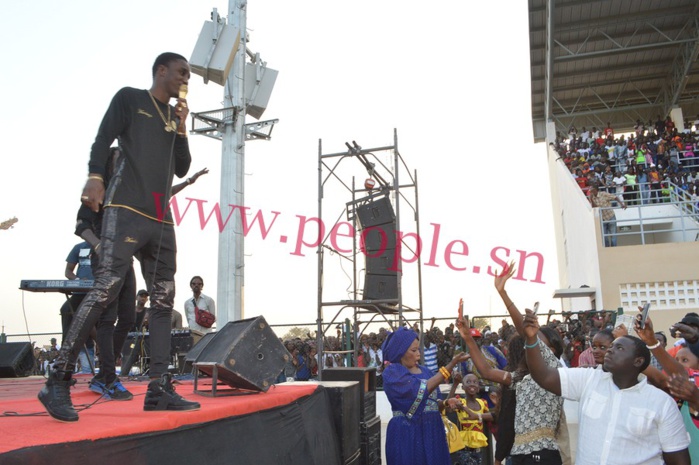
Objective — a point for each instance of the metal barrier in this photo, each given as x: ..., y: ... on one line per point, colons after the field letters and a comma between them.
x: 684, y: 223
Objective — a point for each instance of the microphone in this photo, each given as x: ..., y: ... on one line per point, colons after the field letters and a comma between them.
x: 183, y: 93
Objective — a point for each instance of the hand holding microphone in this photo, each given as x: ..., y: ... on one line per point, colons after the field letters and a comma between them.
x: 181, y: 110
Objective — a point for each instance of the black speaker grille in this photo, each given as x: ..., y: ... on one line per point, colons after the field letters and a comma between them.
x: 16, y: 359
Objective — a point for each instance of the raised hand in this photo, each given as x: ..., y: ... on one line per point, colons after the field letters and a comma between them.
x: 196, y: 175
x: 688, y: 333
x: 531, y: 325
x: 646, y: 334
x: 682, y: 387
x: 501, y: 278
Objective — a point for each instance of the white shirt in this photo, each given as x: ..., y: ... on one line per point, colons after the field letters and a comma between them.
x: 204, y: 302
x: 631, y: 426
x: 619, y: 183
x: 375, y: 357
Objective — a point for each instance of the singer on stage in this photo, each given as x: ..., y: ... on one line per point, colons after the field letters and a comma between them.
x: 153, y: 138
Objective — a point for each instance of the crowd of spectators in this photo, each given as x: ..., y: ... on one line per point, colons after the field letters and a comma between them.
x: 639, y: 165
x: 439, y: 345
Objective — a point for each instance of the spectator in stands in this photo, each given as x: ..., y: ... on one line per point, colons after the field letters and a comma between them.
x: 604, y: 200
x: 415, y: 435
x: 619, y: 181
x: 581, y: 179
x: 608, y: 180
x: 608, y: 131
x: 655, y: 186
x: 621, y: 437
x: 669, y: 126
x: 659, y: 126
x: 584, y: 135
x: 643, y: 185
x: 631, y: 188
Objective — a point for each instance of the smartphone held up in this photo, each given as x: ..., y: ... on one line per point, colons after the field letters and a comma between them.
x: 644, y: 315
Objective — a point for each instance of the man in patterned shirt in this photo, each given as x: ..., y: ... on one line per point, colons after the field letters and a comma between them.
x: 604, y: 200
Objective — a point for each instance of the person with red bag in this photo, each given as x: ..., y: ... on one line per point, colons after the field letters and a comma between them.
x: 200, y: 309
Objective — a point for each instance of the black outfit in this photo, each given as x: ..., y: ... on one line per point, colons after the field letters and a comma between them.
x: 134, y: 220
x: 110, y: 339
x: 506, y: 423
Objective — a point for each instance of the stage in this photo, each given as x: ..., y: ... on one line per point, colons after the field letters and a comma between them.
x: 289, y: 424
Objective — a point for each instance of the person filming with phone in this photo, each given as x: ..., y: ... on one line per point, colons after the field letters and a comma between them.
x: 628, y: 420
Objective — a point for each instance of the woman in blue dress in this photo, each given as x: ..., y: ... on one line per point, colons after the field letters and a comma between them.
x: 415, y: 435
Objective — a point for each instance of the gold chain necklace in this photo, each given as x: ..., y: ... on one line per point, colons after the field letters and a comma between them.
x: 170, y: 125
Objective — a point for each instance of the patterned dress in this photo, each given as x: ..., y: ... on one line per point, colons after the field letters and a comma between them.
x: 415, y: 435
x: 537, y: 414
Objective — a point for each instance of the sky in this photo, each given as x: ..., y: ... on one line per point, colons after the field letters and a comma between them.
x: 451, y: 77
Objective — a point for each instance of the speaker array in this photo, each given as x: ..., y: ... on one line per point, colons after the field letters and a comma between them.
x: 378, y: 242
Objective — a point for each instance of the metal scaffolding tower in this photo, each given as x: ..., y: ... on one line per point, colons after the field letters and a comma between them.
x: 381, y: 194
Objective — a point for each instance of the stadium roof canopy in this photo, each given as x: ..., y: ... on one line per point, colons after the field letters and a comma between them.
x: 599, y: 61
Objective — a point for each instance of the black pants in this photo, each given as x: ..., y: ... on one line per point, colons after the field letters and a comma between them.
x: 68, y: 309
x: 125, y: 233
x: 122, y: 311
x: 545, y: 456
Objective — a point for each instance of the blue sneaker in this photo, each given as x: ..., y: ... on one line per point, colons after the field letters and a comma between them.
x: 117, y: 391
x: 113, y: 391
x: 97, y: 386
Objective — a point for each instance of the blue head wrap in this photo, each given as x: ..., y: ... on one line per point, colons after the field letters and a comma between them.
x: 397, y: 344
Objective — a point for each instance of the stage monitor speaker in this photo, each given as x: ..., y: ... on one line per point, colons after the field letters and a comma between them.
x: 344, y: 405
x: 195, y: 351
x: 16, y: 359
x: 246, y: 353
x: 366, y: 376
x: 370, y: 442
x: 380, y: 287
x: 379, y: 211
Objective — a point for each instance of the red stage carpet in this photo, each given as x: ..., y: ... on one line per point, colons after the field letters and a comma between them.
x: 225, y: 430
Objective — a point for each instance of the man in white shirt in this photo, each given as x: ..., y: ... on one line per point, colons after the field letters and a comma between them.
x: 623, y: 419
x: 200, y: 301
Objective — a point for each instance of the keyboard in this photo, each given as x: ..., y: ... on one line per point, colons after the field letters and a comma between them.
x: 66, y: 286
